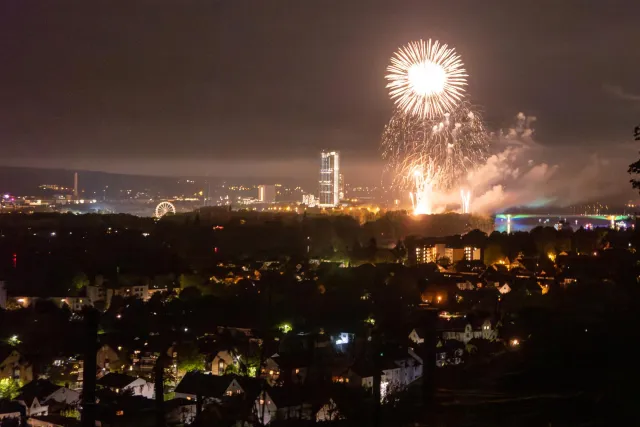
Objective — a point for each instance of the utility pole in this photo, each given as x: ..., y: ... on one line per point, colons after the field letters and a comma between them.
x: 159, y: 389
x: 429, y: 359
x: 88, y: 417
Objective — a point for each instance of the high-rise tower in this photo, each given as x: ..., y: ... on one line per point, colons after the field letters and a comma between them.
x: 329, y: 179
x: 75, y: 185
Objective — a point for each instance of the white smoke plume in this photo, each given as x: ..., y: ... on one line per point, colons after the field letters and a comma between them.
x: 523, y: 173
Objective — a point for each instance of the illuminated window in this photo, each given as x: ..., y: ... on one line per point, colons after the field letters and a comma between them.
x: 120, y: 413
x: 262, y: 401
x: 229, y: 393
x: 297, y: 371
x: 271, y: 372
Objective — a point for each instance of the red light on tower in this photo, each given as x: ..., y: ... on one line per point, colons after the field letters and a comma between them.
x: 15, y: 260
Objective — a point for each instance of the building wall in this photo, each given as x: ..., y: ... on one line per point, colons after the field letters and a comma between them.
x: 267, y: 193
x: 328, y: 412
x: 140, y: 387
x: 11, y: 367
x: 10, y: 415
x: 223, y: 356
x: 105, y: 357
x: 265, y: 408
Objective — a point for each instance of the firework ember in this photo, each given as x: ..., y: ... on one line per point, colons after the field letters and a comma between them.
x: 426, y: 79
x: 450, y: 147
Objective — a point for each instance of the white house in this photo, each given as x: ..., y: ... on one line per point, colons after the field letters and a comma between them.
x: 504, y: 288
x: 47, y: 392
x: 280, y: 403
x: 33, y: 406
x: 417, y: 335
x: 398, y: 371
x: 468, y: 332
x: 121, y: 383
x: 329, y: 412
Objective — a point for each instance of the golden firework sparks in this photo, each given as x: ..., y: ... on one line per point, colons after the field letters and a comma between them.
x: 426, y: 79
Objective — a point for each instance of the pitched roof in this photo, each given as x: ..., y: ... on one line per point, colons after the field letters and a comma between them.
x: 116, y: 380
x: 57, y: 420
x: 40, y: 389
x: 288, y: 396
x: 9, y: 407
x: 200, y: 384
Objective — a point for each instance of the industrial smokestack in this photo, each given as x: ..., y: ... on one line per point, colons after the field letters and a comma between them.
x: 75, y: 185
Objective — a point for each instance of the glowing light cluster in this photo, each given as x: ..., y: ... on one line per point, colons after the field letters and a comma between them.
x: 426, y: 79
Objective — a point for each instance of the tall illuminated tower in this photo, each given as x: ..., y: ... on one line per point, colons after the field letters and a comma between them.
x: 75, y: 185
x: 329, y: 179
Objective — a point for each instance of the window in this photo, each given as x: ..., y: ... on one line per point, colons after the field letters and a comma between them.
x: 221, y: 366
x: 229, y: 393
x: 262, y: 401
x: 297, y: 371
x: 119, y: 413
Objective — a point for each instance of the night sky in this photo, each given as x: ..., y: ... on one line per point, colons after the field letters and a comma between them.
x: 231, y: 87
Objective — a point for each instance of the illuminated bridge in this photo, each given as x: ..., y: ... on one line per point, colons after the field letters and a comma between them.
x: 526, y: 222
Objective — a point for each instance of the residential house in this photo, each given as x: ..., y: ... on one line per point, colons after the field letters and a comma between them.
x: 47, y: 392
x: 75, y: 303
x: 52, y: 421
x: 106, y: 356
x: 208, y: 387
x: 282, y: 404
x: 328, y: 412
x: 449, y: 353
x: 285, y: 368
x: 464, y: 330
x: 96, y: 293
x: 33, y: 406
x: 180, y: 411
x: 439, y: 294
x: 124, y: 384
x: 14, y: 366
x: 222, y: 360
x: 137, y: 291
x: 11, y: 411
x: 399, y: 368
x: 503, y: 288
x: 417, y: 335
x: 125, y: 411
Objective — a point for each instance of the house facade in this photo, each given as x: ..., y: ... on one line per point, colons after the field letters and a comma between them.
x: 16, y: 367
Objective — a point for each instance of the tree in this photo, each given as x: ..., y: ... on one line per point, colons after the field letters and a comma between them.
x: 9, y: 388
x: 79, y: 281
x: 634, y: 168
x: 190, y: 358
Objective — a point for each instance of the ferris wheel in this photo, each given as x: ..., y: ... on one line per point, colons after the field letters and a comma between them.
x: 164, y: 208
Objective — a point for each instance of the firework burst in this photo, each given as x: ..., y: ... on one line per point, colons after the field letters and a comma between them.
x: 449, y: 147
x: 426, y: 79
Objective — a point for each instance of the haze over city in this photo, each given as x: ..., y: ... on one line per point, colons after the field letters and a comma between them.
x: 247, y: 89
